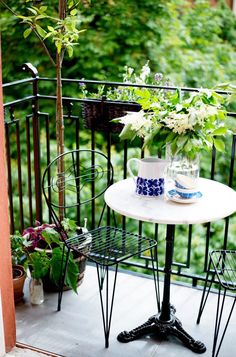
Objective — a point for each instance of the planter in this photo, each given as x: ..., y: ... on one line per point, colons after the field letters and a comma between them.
x: 50, y: 286
x: 97, y: 114
x: 19, y: 276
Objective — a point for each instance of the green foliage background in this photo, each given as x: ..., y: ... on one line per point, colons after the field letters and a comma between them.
x: 193, y: 45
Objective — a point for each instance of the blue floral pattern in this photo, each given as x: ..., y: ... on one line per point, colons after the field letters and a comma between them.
x: 150, y: 187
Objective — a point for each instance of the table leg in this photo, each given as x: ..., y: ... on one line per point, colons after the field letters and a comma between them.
x: 165, y: 323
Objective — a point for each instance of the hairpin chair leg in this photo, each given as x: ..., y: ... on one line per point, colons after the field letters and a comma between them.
x: 219, y: 314
x: 103, y: 276
x: 64, y: 263
x: 205, y: 293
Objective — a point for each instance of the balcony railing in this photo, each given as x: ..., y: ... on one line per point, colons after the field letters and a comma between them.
x: 30, y: 145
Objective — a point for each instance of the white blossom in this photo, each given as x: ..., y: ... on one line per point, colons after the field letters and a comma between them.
x: 138, y: 121
x: 145, y: 71
x: 179, y: 123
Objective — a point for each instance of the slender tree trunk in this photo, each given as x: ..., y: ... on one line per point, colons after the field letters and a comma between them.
x: 59, y: 116
x: 59, y: 110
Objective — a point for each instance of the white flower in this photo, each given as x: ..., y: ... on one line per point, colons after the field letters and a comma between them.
x: 145, y: 71
x: 208, y: 92
x: 179, y: 123
x: 179, y: 107
x: 130, y: 71
x: 138, y: 121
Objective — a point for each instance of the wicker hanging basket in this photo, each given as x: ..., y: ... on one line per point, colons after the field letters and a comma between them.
x: 97, y: 114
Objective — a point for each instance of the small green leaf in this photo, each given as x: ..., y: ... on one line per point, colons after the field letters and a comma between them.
x: 50, y: 28
x: 51, y: 236
x: 220, y: 131
x: 41, y: 31
x: 73, y: 12
x: 32, y: 10
x: 70, y: 51
x: 43, y: 8
x: 58, y: 46
x: 127, y: 132
x: 150, y: 137
x: 27, y: 32
x: 219, y: 145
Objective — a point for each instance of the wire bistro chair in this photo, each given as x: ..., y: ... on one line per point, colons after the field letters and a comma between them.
x: 222, y: 266
x: 81, y: 181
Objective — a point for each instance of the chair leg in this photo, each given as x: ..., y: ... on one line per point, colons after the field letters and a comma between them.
x: 219, y: 313
x: 64, y: 264
x: 204, y: 298
x: 156, y: 277
x: 105, y: 306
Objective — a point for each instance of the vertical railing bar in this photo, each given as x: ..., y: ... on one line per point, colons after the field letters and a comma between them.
x: 18, y: 146
x: 9, y: 179
x: 208, y: 231
x: 231, y: 174
x: 93, y: 187
x: 108, y: 172
x: 125, y: 159
x: 48, y: 161
x: 77, y: 145
x: 29, y: 178
x: 190, y: 231
x: 140, y: 223
x: 36, y: 140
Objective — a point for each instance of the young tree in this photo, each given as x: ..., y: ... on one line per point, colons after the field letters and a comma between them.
x: 62, y: 29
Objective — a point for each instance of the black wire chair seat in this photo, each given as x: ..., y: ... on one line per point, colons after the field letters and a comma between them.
x: 109, y: 245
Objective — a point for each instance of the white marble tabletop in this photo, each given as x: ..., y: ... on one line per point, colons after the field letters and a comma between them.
x: 217, y: 201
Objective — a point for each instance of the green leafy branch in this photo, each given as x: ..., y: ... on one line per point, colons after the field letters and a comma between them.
x: 63, y: 32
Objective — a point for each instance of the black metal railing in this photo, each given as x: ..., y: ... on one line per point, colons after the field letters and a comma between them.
x: 30, y: 146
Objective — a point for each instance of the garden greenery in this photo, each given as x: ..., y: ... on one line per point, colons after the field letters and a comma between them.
x: 193, y: 45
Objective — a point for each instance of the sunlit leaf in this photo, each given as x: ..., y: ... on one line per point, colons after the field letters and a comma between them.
x: 27, y: 32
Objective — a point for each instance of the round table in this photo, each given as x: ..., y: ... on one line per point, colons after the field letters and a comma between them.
x: 217, y: 201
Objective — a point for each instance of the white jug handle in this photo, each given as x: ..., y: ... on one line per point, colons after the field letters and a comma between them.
x: 129, y: 167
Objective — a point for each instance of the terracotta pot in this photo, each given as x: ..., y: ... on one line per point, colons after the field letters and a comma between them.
x: 19, y: 276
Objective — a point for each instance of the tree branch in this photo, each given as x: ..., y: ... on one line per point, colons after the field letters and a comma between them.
x: 44, y: 47
x: 6, y: 6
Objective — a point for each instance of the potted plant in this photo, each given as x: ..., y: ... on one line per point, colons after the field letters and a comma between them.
x: 112, y: 102
x: 44, y: 255
x: 18, y: 268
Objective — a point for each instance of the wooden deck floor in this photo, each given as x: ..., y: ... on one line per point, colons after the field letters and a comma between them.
x: 77, y: 330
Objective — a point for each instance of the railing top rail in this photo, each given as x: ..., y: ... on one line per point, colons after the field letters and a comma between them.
x: 18, y: 101
x: 21, y: 81
x: 110, y: 83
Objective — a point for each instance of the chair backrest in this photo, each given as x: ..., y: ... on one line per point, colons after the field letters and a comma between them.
x: 84, y: 176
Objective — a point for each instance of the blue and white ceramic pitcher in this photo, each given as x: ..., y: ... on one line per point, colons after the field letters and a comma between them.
x: 150, y: 180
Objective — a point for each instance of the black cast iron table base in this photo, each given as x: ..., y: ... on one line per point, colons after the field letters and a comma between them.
x: 154, y: 325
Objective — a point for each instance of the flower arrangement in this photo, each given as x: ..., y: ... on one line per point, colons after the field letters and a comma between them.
x: 187, y: 123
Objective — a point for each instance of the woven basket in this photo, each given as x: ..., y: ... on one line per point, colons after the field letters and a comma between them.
x: 97, y: 115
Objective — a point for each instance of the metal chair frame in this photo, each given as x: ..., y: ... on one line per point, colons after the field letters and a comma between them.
x: 106, y: 246
x: 223, y: 263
